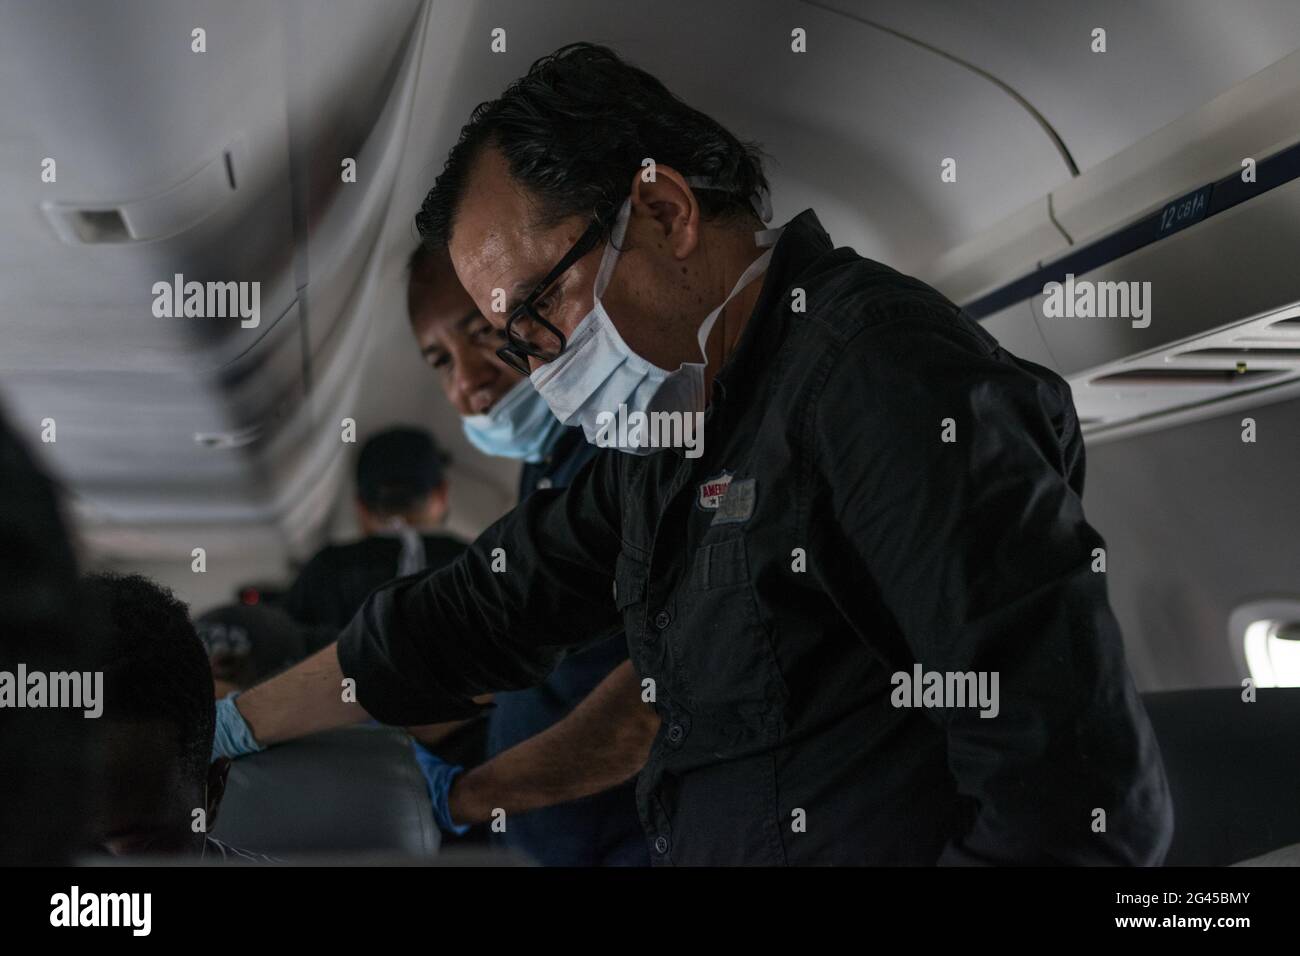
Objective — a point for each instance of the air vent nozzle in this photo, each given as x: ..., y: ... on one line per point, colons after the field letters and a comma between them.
x: 1230, y: 367
x: 100, y: 225
x: 175, y: 209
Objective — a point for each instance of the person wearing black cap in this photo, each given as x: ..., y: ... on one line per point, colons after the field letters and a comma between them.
x: 401, y: 498
x: 248, y: 643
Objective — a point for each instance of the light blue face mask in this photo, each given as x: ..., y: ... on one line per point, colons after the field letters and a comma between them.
x: 520, y: 425
x: 598, y: 374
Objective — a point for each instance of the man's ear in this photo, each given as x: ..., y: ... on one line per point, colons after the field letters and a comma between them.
x: 218, y: 772
x: 671, y: 205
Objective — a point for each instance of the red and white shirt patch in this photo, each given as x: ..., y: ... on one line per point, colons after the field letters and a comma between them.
x: 712, y: 491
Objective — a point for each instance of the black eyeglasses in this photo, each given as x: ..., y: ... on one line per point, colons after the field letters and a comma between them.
x: 527, y: 330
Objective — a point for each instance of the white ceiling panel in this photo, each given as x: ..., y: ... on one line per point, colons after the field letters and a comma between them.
x: 1163, y: 58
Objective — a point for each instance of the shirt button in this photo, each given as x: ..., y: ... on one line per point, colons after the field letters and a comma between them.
x: 544, y: 482
x: 662, y: 620
x: 661, y: 845
x: 675, y: 733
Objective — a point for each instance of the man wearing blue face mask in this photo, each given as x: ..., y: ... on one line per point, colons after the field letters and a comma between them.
x: 503, y: 416
x: 501, y: 413
x: 777, y: 580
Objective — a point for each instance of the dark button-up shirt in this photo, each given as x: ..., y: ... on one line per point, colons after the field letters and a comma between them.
x: 883, y: 492
x: 564, y: 459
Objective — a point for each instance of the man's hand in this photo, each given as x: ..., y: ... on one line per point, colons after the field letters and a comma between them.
x: 233, y: 738
x: 438, y: 774
x: 604, y: 742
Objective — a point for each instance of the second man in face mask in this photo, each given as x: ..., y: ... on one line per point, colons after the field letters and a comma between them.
x: 503, y: 416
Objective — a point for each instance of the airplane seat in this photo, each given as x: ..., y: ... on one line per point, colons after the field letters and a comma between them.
x: 1287, y: 856
x: 1234, y: 772
x: 349, y: 790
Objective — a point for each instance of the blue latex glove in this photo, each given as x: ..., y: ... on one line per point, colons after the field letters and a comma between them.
x: 233, y: 737
x: 438, y: 774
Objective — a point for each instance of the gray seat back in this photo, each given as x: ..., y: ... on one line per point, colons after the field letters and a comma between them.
x: 1234, y: 771
x: 352, y: 790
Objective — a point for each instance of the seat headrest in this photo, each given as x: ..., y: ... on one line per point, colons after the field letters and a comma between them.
x: 1233, y: 769
x: 351, y: 790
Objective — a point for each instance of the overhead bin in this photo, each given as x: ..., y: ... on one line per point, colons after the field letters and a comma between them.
x: 1201, y: 223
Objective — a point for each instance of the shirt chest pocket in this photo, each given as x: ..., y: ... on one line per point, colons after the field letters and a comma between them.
x: 719, y: 649
x: 630, y: 595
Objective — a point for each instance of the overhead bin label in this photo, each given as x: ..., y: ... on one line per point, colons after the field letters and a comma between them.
x: 1184, y: 211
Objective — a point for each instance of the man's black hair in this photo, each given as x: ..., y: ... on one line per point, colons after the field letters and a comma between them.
x: 155, y: 668
x: 575, y: 129
x: 397, y: 468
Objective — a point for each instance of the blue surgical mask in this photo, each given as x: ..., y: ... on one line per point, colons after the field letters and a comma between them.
x: 520, y: 425
x: 598, y: 374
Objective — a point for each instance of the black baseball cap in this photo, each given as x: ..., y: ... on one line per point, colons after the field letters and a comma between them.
x: 397, y: 467
x: 248, y: 643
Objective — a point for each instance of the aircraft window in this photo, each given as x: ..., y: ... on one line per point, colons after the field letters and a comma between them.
x: 1273, y: 653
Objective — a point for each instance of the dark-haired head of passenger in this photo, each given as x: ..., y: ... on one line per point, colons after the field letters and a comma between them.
x: 158, y: 791
x: 454, y: 338
x: 400, y: 482
x: 43, y: 627
x: 541, y: 176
